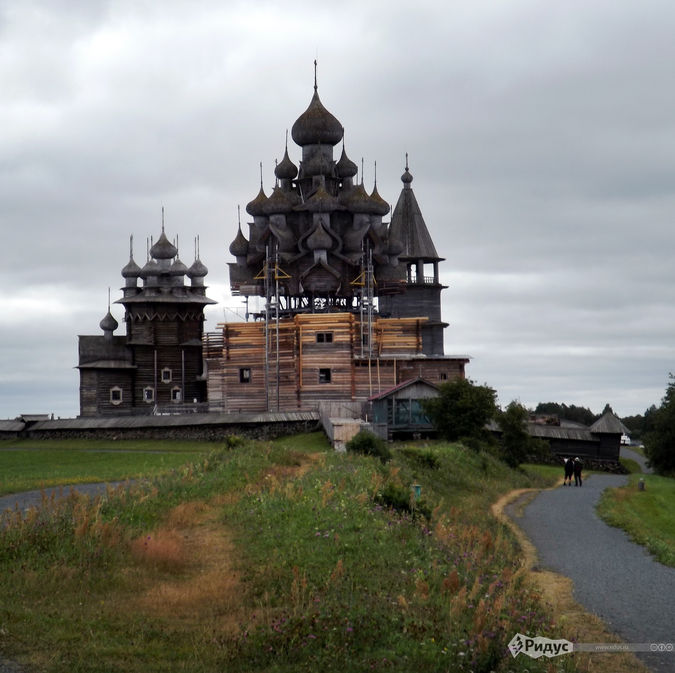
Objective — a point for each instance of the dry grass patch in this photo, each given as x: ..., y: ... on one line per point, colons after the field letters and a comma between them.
x: 206, y: 590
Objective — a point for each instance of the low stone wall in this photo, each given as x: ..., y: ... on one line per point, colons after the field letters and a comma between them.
x: 204, y: 433
x: 611, y: 466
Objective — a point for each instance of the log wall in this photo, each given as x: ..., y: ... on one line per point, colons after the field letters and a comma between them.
x: 319, y: 358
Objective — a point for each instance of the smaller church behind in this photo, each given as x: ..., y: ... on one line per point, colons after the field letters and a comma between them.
x: 159, y: 362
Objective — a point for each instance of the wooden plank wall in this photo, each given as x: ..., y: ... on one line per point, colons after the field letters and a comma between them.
x: 302, y: 355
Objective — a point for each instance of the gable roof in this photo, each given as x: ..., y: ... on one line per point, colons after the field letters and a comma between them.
x: 401, y: 386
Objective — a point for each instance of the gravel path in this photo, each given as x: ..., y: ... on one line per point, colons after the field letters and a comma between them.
x: 640, y: 460
x: 613, y: 577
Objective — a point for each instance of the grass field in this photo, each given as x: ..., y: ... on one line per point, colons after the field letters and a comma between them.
x: 276, y: 557
x: 27, y: 470
x: 647, y: 516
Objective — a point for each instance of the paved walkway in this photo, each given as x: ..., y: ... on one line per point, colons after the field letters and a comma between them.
x: 640, y: 460
x: 613, y: 577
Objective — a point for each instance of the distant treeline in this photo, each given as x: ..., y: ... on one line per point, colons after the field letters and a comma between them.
x: 638, y: 425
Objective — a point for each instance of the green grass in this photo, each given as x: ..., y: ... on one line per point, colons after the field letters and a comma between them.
x: 310, y: 442
x: 28, y: 470
x: 109, y: 445
x: 647, y: 516
x: 631, y: 465
x: 328, y: 579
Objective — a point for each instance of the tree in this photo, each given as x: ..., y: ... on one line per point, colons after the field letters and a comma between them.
x: 516, y: 442
x: 515, y: 438
x: 660, y: 441
x: 569, y: 413
x: 462, y: 409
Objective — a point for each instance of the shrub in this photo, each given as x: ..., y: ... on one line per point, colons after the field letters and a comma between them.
x: 462, y: 409
x: 425, y: 459
x: 367, y: 444
x: 517, y: 445
x: 400, y: 499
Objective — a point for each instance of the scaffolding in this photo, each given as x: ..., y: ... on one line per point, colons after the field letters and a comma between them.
x: 271, y: 274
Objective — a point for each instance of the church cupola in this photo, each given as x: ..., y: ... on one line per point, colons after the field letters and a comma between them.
x: 239, y: 247
x: 316, y: 126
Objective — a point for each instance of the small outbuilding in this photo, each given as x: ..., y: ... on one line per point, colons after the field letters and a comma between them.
x: 601, y: 441
x: 400, y: 408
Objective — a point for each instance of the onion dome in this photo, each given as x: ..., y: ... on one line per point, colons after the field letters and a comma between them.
x: 131, y: 270
x: 255, y: 207
x: 358, y: 201
x: 151, y: 268
x: 319, y: 239
x: 406, y: 178
x: 321, y: 202
x: 163, y: 249
x: 239, y: 247
x: 380, y: 206
x: 316, y: 125
x: 197, y: 270
x: 346, y: 168
x: 277, y: 204
x: 286, y: 170
x: 178, y: 268
x: 108, y: 324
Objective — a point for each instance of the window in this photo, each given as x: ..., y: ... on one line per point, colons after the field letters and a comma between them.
x: 148, y: 395
x: 324, y: 337
x: 244, y: 375
x: 443, y: 376
x: 324, y: 375
x: 166, y: 375
x: 176, y: 395
x: 116, y: 395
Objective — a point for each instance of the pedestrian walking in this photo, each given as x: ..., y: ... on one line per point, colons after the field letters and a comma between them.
x: 569, y: 471
x: 577, y: 472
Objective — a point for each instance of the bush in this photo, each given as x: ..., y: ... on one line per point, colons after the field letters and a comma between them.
x: 517, y: 445
x: 368, y: 444
x: 486, y: 443
x: 462, y: 409
x: 425, y: 459
x: 401, y: 500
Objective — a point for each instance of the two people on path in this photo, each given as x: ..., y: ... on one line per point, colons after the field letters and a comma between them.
x: 572, y: 467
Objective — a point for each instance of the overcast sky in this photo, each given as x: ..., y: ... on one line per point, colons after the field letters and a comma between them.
x: 541, y: 138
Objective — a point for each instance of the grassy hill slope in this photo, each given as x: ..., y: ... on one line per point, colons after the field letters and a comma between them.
x: 280, y: 556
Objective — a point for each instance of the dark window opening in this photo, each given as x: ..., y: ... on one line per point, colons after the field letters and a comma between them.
x: 324, y: 337
x: 324, y: 375
x: 443, y: 376
x: 176, y: 395
x: 244, y: 375
x: 166, y: 375
x: 149, y: 394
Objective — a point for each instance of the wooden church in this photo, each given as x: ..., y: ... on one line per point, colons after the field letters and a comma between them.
x: 351, y: 302
x: 158, y: 364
